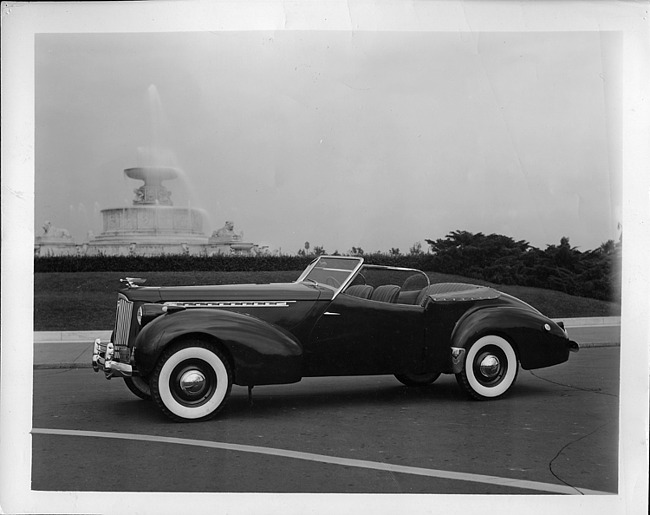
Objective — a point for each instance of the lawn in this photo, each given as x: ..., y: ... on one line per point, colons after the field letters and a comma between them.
x: 86, y: 301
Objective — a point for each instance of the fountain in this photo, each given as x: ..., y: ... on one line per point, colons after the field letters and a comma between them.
x: 152, y: 225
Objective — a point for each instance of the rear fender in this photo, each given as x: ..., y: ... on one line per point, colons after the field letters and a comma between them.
x: 537, y: 340
x: 260, y: 353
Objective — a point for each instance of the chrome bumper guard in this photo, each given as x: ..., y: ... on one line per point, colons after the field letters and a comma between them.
x: 457, y: 359
x: 573, y: 346
x: 103, y: 354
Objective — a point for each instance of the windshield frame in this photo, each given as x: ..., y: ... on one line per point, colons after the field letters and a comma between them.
x: 351, y: 275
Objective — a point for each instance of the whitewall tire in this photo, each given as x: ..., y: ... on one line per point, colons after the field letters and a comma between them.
x: 491, y: 368
x: 191, y: 381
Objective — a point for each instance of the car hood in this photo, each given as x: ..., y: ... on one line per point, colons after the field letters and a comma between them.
x: 229, y: 292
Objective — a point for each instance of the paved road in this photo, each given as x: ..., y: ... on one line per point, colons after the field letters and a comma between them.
x: 556, y: 433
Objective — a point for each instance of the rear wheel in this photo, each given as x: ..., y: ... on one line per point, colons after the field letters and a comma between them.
x: 417, y: 379
x: 139, y: 387
x: 191, y: 381
x: 491, y: 367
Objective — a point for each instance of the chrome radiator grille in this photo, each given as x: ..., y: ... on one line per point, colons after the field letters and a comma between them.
x: 123, y: 321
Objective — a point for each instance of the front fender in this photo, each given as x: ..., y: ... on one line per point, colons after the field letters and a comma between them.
x: 260, y: 353
x: 535, y: 345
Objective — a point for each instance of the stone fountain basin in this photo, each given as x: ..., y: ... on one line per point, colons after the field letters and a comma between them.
x: 161, y: 223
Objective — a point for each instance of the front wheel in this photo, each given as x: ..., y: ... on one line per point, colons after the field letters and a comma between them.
x: 490, y: 369
x: 423, y: 379
x: 191, y: 381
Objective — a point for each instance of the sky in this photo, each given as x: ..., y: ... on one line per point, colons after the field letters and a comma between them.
x: 371, y: 139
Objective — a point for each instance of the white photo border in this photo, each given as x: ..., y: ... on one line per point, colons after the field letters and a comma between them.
x: 21, y: 21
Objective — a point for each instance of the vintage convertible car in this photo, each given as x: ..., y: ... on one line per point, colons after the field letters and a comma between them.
x: 185, y: 346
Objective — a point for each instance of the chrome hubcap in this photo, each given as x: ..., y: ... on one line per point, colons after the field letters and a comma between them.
x: 192, y: 382
x: 490, y: 366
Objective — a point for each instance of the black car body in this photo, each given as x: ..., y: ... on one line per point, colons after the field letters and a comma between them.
x: 186, y: 346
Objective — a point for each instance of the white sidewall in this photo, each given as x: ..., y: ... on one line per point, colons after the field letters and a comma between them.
x: 212, y: 404
x: 509, y: 378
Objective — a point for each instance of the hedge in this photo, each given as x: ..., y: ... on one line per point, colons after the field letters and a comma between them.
x: 601, y: 280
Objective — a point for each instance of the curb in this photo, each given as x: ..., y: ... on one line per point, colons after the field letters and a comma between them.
x: 597, y: 345
x: 53, y: 349
x: 70, y: 336
x: 56, y: 366
x: 89, y: 336
x: 77, y: 365
x: 589, y: 321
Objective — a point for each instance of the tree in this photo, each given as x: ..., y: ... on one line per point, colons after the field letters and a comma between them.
x: 503, y: 260
x: 493, y: 257
x: 416, y: 249
x: 563, y: 255
x: 318, y: 250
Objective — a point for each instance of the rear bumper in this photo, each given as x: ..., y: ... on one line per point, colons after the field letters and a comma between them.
x: 104, y: 354
x: 573, y: 346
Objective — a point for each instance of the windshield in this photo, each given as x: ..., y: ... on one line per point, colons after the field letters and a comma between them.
x: 331, y: 271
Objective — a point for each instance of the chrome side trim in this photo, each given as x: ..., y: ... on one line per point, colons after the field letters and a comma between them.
x: 235, y: 304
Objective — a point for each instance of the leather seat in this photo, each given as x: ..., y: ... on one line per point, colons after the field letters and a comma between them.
x: 386, y: 293
x: 360, y: 290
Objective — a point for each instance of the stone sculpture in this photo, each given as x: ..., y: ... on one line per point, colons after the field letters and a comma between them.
x: 52, y: 233
x: 227, y: 234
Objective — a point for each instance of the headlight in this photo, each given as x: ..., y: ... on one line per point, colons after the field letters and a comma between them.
x: 147, y: 312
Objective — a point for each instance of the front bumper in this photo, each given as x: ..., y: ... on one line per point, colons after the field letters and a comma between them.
x: 107, y: 359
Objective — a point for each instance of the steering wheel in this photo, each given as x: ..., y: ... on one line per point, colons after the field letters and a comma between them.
x: 330, y: 281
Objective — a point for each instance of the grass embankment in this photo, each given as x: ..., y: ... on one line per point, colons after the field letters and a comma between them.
x: 86, y: 301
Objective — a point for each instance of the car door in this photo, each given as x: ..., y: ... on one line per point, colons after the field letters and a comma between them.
x: 357, y: 336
